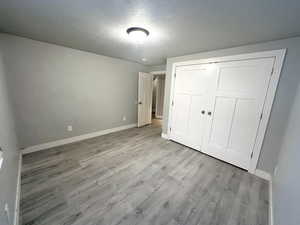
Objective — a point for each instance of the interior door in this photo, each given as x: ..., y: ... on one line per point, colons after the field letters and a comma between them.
x: 192, y: 85
x: 145, y: 90
x: 234, y: 109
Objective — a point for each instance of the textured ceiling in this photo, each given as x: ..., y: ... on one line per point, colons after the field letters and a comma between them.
x: 177, y: 27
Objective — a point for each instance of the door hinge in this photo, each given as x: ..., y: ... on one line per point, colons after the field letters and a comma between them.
x: 251, y: 155
x: 172, y: 102
x: 261, y: 116
x: 170, y: 129
x: 175, y: 75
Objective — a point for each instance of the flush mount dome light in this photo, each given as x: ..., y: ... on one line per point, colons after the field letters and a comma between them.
x: 137, y: 34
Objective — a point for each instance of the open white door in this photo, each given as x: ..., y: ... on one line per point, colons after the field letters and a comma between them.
x: 145, y: 99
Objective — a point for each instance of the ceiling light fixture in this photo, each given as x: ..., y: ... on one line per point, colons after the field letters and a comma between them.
x: 138, y: 34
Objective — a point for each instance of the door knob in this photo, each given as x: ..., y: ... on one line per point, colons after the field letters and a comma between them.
x: 203, y: 111
x: 209, y: 113
x: 140, y: 103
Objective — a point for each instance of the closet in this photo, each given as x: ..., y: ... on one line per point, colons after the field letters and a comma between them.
x: 217, y: 108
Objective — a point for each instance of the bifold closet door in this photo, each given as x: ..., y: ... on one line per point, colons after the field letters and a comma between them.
x: 235, y: 108
x: 191, y: 90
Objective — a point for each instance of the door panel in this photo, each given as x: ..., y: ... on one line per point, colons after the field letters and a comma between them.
x: 180, y: 117
x: 239, y: 78
x: 221, y: 124
x: 192, y: 87
x: 236, y: 103
x: 243, y: 131
x: 196, y: 123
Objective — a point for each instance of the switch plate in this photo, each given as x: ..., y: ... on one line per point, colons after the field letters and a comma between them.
x: 124, y: 118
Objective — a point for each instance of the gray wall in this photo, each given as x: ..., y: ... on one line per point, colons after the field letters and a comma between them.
x: 289, y: 81
x: 53, y: 87
x: 8, y: 142
x: 286, y: 181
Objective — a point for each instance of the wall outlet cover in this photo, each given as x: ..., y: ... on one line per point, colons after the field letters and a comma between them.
x: 69, y: 128
x: 6, y: 210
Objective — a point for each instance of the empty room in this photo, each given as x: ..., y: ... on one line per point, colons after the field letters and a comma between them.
x: 136, y: 112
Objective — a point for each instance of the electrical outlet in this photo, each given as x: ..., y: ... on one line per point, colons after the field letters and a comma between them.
x: 6, y: 210
x: 124, y: 118
x: 69, y: 128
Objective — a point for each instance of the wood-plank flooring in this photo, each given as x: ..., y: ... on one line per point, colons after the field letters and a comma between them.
x: 135, y: 177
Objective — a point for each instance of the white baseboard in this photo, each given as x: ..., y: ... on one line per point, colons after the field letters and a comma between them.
x: 18, y: 192
x: 52, y: 144
x: 263, y: 174
x: 165, y: 136
x: 271, y: 210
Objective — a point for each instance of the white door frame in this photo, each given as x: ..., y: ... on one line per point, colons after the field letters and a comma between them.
x: 159, y: 72
x: 278, y: 55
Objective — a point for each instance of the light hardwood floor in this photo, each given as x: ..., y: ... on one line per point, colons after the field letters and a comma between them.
x: 135, y: 177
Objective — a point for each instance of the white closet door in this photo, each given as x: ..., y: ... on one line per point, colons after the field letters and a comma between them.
x: 235, y: 105
x: 189, y: 103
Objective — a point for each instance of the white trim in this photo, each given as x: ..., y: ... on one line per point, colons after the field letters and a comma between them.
x: 271, y: 209
x: 263, y: 174
x: 161, y: 72
x: 158, y: 117
x: 165, y: 136
x: 266, y: 176
x: 52, y: 144
x: 278, y: 55
x: 18, y: 192
x: 278, y: 63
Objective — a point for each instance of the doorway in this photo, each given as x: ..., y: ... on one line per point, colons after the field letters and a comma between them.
x: 151, y: 92
x: 158, y: 94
